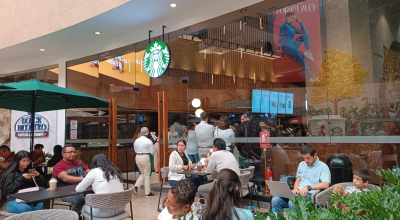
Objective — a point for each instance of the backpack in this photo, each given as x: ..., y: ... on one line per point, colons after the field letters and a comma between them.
x: 289, y: 179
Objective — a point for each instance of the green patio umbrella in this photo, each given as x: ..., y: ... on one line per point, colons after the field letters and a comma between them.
x: 2, y: 86
x: 35, y: 96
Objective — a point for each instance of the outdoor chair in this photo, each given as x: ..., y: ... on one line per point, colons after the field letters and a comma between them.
x: 164, y: 174
x: 244, y: 180
x: 250, y: 184
x: 61, y: 203
x: 322, y: 199
x: 48, y: 214
x: 109, y: 201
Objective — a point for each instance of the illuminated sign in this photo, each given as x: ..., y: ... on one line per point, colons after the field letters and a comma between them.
x: 23, y: 126
x: 156, y: 59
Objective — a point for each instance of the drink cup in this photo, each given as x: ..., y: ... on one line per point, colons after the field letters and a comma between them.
x: 199, y: 167
x: 53, y: 184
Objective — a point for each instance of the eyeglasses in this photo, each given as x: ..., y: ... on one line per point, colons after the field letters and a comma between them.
x: 70, y: 152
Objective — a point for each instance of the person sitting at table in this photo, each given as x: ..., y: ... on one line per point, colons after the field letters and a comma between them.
x: 17, y: 177
x: 7, y: 155
x: 62, y: 171
x: 180, y: 199
x: 38, y: 155
x: 57, y: 157
x: 179, y: 161
x: 104, y: 177
x: 225, y: 198
x: 220, y: 159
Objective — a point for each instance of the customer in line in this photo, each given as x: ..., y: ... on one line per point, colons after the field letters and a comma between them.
x: 7, y: 155
x: 38, y: 155
x: 70, y: 171
x: 104, y: 177
x: 220, y: 159
x: 17, y: 177
x: 311, y: 175
x: 225, y: 199
x: 180, y: 199
x: 205, y: 135
x: 179, y: 161
x: 225, y: 132
x: 192, y: 149
x: 57, y: 156
x: 144, y: 150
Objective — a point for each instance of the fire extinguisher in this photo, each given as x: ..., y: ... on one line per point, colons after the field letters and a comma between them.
x: 268, y: 177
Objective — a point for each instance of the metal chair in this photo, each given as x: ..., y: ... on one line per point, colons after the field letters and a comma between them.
x: 61, y: 203
x: 48, y: 214
x: 164, y: 174
x: 250, y: 184
x: 109, y: 201
x: 244, y: 180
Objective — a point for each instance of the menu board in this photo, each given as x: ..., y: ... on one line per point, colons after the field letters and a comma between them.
x: 282, y: 103
x: 265, y: 101
x: 273, y: 108
x: 289, y: 103
x: 256, y: 101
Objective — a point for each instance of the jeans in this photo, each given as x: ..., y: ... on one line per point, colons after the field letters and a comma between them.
x: 193, y: 179
x: 15, y: 207
x: 282, y: 203
x: 194, y: 158
x: 77, y: 202
x: 103, y: 213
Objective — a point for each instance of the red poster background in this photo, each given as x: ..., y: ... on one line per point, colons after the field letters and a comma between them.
x: 308, y: 13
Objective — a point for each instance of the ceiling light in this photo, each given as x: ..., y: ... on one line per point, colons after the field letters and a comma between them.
x: 173, y: 5
x: 196, y: 102
x: 41, y: 49
x: 198, y: 112
x: 97, y: 32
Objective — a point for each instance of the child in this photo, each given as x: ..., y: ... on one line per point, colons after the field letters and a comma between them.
x: 361, y: 178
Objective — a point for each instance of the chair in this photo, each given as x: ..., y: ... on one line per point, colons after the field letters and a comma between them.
x: 322, y: 198
x: 244, y: 180
x: 164, y: 174
x: 109, y: 201
x: 8, y: 214
x: 61, y: 203
x: 48, y: 214
x: 250, y: 184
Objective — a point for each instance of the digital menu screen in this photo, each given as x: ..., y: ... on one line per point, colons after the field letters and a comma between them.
x: 289, y: 103
x: 273, y: 107
x: 256, y: 101
x: 265, y: 101
x: 282, y: 103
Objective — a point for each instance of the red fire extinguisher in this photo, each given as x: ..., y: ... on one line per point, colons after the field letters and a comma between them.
x: 268, y: 177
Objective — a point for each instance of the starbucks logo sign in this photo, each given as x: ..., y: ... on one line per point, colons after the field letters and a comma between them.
x: 156, y: 59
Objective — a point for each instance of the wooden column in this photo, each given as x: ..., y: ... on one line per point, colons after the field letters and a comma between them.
x: 162, y: 131
x: 112, y: 131
x: 165, y: 128
x: 160, y: 136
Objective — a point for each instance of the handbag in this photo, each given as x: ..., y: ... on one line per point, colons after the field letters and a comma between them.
x: 31, y: 189
x: 77, y: 171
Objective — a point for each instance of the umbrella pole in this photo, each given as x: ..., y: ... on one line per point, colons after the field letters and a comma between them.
x: 33, y: 118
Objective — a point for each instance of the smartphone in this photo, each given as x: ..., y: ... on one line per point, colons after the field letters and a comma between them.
x: 31, y: 170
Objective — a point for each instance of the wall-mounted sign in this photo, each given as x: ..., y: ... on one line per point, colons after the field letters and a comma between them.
x: 23, y: 126
x: 156, y: 59
x: 73, y: 134
x: 74, y: 124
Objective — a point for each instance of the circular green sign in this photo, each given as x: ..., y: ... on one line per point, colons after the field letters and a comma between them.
x: 156, y: 59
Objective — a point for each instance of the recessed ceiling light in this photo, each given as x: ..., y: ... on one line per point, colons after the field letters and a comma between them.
x: 97, y: 32
x: 173, y: 5
x: 41, y: 49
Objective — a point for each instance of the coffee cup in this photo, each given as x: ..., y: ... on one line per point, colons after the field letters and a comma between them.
x: 199, y: 167
x: 53, y: 184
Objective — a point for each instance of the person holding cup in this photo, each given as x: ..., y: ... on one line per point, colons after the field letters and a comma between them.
x: 179, y: 161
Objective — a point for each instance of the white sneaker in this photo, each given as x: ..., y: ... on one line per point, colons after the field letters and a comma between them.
x: 309, y: 55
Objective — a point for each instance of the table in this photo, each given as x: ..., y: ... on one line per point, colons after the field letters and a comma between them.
x: 193, y: 172
x: 43, y: 195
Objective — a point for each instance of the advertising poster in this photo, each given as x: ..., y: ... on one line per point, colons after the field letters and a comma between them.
x: 282, y: 103
x: 297, y: 34
x: 256, y: 101
x: 289, y: 103
x: 265, y: 101
x: 273, y: 108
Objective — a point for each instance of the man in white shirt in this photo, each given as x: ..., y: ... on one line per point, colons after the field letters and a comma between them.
x: 180, y: 199
x: 143, y: 147
x: 205, y: 135
x: 220, y: 159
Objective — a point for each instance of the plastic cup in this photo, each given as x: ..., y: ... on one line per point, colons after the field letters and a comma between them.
x: 198, y: 167
x: 53, y: 184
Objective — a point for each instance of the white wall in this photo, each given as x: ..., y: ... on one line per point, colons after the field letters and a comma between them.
x: 49, y: 142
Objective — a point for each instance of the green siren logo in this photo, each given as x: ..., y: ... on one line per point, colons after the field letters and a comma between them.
x: 156, y: 59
